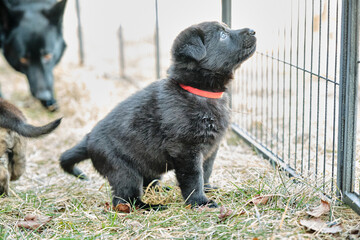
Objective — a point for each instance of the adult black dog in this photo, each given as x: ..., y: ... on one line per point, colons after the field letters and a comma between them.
x: 32, y: 42
x: 176, y: 123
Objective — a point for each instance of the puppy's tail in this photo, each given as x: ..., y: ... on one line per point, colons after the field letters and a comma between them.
x: 73, y: 156
x: 28, y: 130
x: 11, y: 118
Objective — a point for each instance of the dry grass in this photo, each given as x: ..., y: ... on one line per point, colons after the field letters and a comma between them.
x: 78, y: 208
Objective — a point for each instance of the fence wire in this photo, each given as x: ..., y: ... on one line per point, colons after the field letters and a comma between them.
x: 285, y: 99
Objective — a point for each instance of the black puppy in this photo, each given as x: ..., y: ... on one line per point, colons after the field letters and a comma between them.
x: 32, y: 42
x: 176, y: 123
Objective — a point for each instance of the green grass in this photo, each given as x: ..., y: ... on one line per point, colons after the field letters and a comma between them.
x: 78, y: 212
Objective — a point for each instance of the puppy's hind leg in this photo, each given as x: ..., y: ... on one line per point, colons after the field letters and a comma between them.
x: 127, y: 187
x: 17, y: 160
x: 4, y: 177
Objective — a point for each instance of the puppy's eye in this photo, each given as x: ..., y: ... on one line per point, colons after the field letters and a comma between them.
x: 47, y: 57
x: 223, y: 35
x: 24, y: 61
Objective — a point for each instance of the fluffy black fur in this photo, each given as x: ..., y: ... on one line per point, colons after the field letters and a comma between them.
x: 32, y: 42
x: 163, y: 127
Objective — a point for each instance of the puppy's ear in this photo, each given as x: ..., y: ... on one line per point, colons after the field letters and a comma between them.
x: 190, y: 44
x: 55, y: 13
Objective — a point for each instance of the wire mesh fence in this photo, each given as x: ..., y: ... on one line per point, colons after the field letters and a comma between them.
x: 285, y: 99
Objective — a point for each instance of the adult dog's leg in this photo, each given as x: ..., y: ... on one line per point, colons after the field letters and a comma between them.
x: 189, y: 174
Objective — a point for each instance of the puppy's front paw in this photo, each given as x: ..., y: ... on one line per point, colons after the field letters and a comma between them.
x: 204, y: 202
x: 210, y: 204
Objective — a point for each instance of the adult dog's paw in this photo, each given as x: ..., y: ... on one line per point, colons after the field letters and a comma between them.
x: 50, y: 105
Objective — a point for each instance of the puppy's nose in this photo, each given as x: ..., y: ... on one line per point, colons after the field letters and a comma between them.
x: 251, y: 32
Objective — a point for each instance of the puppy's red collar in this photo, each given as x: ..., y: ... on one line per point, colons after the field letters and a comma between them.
x: 202, y: 93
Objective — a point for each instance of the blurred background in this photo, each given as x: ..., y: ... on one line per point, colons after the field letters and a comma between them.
x: 100, y: 26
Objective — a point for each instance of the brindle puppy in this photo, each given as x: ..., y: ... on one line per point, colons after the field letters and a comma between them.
x: 175, y: 123
x: 13, y: 145
x: 12, y: 158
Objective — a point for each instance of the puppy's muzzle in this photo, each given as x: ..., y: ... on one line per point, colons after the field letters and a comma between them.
x: 251, y: 32
x: 249, y: 37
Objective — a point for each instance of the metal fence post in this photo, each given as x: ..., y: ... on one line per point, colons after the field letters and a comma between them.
x: 226, y: 18
x: 226, y: 12
x: 157, y: 44
x: 80, y: 37
x: 121, y: 52
x: 348, y: 103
